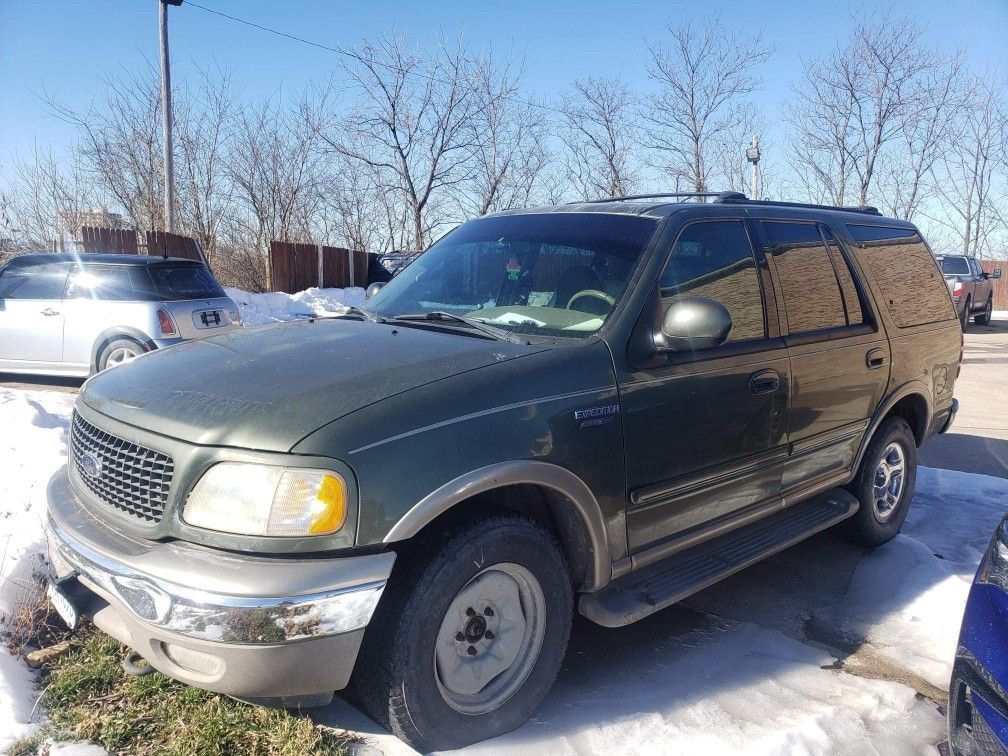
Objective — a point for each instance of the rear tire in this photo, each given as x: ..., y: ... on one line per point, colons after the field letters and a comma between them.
x: 119, y: 352
x: 884, y: 484
x: 504, y: 583
x: 985, y: 317
x: 964, y: 318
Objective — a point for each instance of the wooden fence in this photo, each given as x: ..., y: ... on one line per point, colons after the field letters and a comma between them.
x: 173, y: 245
x: 124, y: 241
x: 1000, y: 284
x: 121, y: 241
x: 294, y: 267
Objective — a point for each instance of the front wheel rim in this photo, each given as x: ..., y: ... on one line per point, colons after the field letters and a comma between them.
x: 121, y: 356
x: 888, y: 482
x: 490, y: 638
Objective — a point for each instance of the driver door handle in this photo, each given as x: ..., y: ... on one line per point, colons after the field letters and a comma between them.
x: 49, y: 312
x: 764, y: 381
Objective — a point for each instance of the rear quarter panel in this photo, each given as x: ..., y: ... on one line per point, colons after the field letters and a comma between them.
x: 924, y: 357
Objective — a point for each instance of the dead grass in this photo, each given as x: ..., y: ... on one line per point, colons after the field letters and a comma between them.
x: 88, y: 696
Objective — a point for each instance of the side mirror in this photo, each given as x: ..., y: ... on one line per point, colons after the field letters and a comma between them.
x: 997, y: 273
x: 373, y: 289
x: 694, y: 324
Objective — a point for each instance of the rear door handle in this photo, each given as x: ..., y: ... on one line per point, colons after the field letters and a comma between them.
x: 764, y: 382
x: 49, y: 312
x: 875, y: 358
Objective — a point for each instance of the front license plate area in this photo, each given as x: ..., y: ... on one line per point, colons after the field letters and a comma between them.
x: 60, y: 594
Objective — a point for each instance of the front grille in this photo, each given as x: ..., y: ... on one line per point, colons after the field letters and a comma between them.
x: 131, y: 478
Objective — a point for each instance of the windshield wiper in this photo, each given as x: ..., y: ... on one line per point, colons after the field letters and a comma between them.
x: 441, y: 315
x: 352, y: 311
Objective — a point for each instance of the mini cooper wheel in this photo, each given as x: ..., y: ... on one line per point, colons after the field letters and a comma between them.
x: 119, y: 352
x: 884, y: 484
x: 466, y: 644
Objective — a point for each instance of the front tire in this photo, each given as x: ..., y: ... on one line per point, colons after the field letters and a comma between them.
x: 470, y: 634
x: 985, y: 318
x: 884, y: 484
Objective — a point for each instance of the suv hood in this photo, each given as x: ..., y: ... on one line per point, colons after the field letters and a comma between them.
x: 267, y: 388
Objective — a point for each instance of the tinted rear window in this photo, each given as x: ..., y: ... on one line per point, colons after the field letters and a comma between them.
x: 184, y: 282
x: 955, y: 266
x: 902, y: 266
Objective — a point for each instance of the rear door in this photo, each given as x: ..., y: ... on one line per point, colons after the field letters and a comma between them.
x: 704, y: 430
x: 31, y: 314
x: 839, y: 352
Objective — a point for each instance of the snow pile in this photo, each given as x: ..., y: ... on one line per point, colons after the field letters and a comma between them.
x: 906, y: 598
x: 276, y: 306
x: 32, y: 449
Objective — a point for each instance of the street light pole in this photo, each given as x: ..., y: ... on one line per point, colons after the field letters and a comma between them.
x: 166, y: 116
x: 753, y: 156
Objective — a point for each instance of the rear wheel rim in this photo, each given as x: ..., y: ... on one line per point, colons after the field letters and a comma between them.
x: 121, y: 356
x: 490, y: 638
x: 888, y: 481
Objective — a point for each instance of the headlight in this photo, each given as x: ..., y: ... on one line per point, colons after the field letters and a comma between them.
x: 267, y: 500
x: 994, y: 567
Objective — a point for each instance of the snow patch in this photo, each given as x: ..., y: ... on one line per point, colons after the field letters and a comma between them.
x: 32, y: 449
x: 276, y: 306
x: 906, y: 598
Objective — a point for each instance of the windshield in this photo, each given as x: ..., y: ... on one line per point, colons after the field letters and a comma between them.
x: 955, y: 266
x: 557, y: 274
x: 184, y: 282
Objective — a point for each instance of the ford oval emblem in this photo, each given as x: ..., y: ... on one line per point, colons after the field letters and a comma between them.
x: 90, y: 464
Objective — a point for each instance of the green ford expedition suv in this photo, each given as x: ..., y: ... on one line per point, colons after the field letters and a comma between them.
x: 599, y: 407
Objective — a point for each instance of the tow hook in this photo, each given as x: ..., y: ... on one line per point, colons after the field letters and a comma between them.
x: 136, y: 665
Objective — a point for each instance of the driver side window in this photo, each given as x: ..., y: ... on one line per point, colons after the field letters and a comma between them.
x: 715, y: 260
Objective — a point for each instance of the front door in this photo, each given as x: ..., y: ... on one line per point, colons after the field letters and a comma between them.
x: 705, y: 429
x: 31, y: 314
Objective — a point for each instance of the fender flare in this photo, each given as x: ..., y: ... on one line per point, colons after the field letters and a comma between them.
x: 117, y: 332
x: 501, y: 474
x: 910, y: 388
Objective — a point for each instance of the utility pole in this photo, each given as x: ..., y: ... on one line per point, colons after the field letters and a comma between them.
x: 166, y: 116
x: 753, y: 156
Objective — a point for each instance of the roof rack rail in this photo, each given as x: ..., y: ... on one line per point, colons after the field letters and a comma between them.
x: 717, y: 196
x: 733, y: 198
x: 737, y: 197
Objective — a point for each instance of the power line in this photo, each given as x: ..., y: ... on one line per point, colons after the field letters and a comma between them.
x: 348, y: 54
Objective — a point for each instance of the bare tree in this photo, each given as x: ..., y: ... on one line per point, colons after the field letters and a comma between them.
x: 599, y: 132
x: 120, y: 144
x: 203, y: 121
x: 967, y: 174
x: 508, y: 145
x: 852, y: 106
x: 274, y: 164
x: 411, y: 124
x: 703, y: 76
x: 47, y: 199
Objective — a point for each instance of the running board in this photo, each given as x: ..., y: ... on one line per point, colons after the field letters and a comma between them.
x: 642, y: 592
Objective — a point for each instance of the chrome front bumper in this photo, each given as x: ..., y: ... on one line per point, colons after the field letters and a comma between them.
x: 277, y: 630
x: 199, y: 613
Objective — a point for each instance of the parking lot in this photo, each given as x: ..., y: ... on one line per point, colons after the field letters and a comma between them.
x: 825, y: 645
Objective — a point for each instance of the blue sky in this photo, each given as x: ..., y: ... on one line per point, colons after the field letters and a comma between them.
x: 64, y: 48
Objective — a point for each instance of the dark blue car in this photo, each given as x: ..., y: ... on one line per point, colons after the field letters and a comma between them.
x: 978, y: 696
